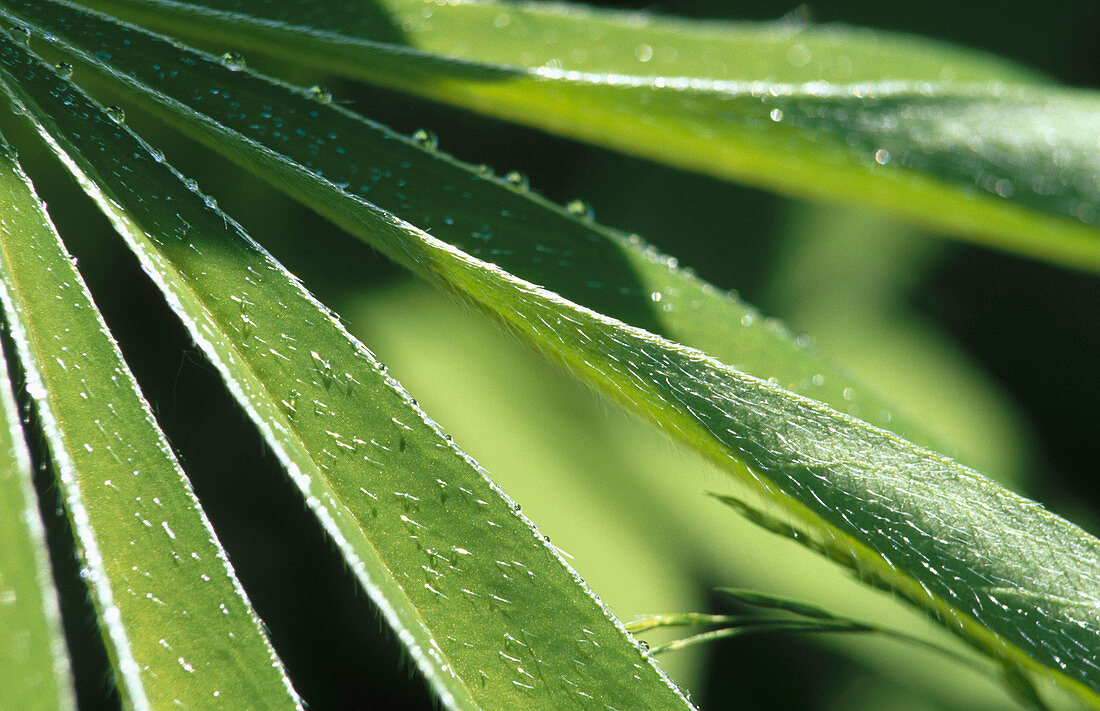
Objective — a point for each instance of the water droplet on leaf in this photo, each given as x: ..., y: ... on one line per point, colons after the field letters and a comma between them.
x: 579, y: 208
x: 320, y: 94
x: 233, y: 60
x: 517, y: 180
x: 425, y: 139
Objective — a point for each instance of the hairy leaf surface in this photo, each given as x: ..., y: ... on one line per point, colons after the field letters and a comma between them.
x: 487, y: 217
x: 33, y: 660
x: 944, y: 137
x: 486, y: 608
x: 178, y: 626
x: 1014, y: 579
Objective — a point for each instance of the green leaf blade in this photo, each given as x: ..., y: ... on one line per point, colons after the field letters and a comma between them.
x: 177, y: 624
x: 33, y: 659
x: 1009, y: 165
x: 928, y: 527
x: 487, y: 609
x: 484, y: 216
x: 1008, y: 576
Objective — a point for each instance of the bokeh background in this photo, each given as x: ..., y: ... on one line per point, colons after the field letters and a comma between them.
x: 997, y: 353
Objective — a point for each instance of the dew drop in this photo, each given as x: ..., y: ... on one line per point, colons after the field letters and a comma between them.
x: 484, y: 171
x: 517, y: 180
x: 21, y: 35
x: 643, y: 52
x: 116, y: 114
x: 425, y: 139
x: 776, y: 115
x: 233, y: 60
x: 580, y: 208
x: 882, y: 156
x: 320, y: 94
x: 64, y: 69
x: 849, y: 394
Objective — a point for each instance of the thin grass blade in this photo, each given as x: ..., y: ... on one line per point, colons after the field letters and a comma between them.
x: 34, y: 662
x: 763, y: 627
x: 178, y: 627
x: 946, y: 138
x: 813, y: 619
x: 679, y: 619
x: 486, y: 608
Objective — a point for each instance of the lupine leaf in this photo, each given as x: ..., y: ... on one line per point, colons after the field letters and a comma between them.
x: 1010, y: 577
x: 485, y: 216
x: 178, y: 627
x: 33, y: 660
x: 947, y: 138
x: 486, y: 608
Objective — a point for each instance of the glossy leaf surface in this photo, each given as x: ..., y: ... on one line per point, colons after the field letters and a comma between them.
x: 486, y: 608
x: 178, y: 627
x: 947, y: 138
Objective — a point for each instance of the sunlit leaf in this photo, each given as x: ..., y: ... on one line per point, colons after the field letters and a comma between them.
x: 486, y: 608
x: 947, y: 138
x: 495, y: 219
x: 1000, y: 570
x: 33, y: 661
x: 177, y: 624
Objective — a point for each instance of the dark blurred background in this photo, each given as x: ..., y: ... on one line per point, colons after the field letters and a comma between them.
x: 1019, y: 338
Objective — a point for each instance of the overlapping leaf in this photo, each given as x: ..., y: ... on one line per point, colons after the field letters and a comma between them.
x: 944, y: 137
x: 33, y: 662
x: 493, y: 219
x: 177, y: 624
x: 488, y: 611
x: 1014, y: 579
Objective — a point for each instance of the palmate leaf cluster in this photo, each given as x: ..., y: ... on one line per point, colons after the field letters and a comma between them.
x: 488, y: 610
